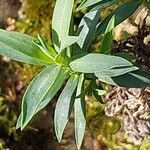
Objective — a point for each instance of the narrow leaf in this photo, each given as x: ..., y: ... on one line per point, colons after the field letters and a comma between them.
x: 107, y: 79
x: 87, y: 3
x: 135, y: 79
x: 61, y: 77
x: 20, y: 47
x: 98, y: 95
x: 68, y: 41
x: 116, y: 72
x: 45, y: 45
x: 61, y: 21
x: 99, y: 3
x: 128, y: 56
x: 108, y: 37
x: 121, y: 13
x: 41, y: 43
x: 64, y: 106
x: 94, y: 62
x: 40, y: 91
x: 87, y: 28
x: 79, y: 112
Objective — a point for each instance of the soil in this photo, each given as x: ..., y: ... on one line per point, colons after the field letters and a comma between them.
x: 8, y: 8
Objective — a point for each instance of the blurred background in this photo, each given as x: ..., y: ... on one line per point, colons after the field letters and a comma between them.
x: 102, y: 132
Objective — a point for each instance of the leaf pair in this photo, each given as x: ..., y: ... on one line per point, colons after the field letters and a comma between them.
x: 112, y: 70
x: 41, y: 91
x: 64, y: 106
x: 89, y: 29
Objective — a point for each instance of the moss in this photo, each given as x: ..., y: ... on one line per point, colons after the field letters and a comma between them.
x: 145, y: 145
x: 7, y: 122
x: 7, y: 118
x: 107, y: 130
x: 26, y: 72
x: 38, y: 17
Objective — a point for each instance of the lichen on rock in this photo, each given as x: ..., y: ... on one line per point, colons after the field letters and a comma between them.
x: 132, y: 107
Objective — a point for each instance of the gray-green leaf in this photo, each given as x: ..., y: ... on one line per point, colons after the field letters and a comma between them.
x: 79, y: 114
x: 95, y: 62
x: 87, y: 28
x: 20, y: 47
x: 135, y: 79
x: 61, y: 22
x: 68, y: 41
x: 108, y: 37
x: 45, y: 48
x: 64, y: 106
x: 99, y: 3
x: 40, y: 91
x: 116, y: 72
x: 121, y: 13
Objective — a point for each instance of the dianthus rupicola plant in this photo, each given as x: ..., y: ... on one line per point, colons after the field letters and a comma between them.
x: 69, y: 64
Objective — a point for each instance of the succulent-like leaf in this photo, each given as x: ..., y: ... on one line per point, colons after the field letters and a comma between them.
x: 79, y: 114
x: 64, y: 106
x: 95, y: 62
x: 40, y: 91
x: 121, y: 13
x: 61, y: 23
x: 108, y: 37
x: 20, y: 47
